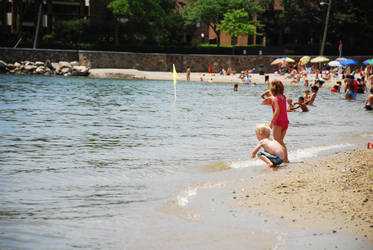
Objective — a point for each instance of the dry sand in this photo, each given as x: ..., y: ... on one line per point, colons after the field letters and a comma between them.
x: 333, y: 193
x: 195, y: 76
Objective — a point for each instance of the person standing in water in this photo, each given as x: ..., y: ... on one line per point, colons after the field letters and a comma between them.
x: 188, y: 73
x: 369, y: 101
x: 279, y: 123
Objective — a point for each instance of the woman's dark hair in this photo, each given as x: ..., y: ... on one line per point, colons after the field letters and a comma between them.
x: 315, y: 88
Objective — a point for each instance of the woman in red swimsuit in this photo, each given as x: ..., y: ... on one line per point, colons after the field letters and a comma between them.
x: 279, y: 122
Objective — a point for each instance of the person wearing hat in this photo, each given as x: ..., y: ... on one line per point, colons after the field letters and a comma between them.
x: 336, y: 88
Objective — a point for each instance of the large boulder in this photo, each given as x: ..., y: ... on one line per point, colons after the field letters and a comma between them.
x: 64, y: 64
x: 2, y: 65
x: 56, y: 67
x: 74, y: 63
x: 38, y: 64
x: 82, y: 69
x: 48, y: 63
x: 10, y: 66
x: 65, y: 71
x: 28, y: 63
x: 40, y: 70
x: 29, y: 67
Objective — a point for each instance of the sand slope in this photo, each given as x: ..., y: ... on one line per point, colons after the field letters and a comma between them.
x: 333, y: 193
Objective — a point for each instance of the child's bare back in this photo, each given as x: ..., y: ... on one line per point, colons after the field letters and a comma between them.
x: 274, y: 152
x: 273, y: 147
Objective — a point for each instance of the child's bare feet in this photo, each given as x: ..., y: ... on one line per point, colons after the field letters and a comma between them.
x: 271, y: 165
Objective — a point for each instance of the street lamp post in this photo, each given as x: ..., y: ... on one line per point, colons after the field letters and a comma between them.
x: 326, y: 27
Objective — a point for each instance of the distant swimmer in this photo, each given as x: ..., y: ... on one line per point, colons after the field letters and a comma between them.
x: 235, y: 88
x: 290, y: 105
x: 188, y: 73
x: 312, y: 98
x: 337, y: 87
x: 274, y: 153
x: 369, y: 102
x: 301, y: 104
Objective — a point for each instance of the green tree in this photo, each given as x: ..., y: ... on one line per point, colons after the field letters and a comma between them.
x: 237, y: 22
x: 212, y: 12
x: 302, y: 23
x: 147, y: 21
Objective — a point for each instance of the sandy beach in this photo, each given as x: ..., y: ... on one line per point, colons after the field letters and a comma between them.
x: 333, y: 193
x: 194, y: 77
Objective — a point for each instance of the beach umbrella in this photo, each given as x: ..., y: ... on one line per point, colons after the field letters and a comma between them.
x: 369, y: 61
x: 341, y: 59
x: 304, y: 60
x: 349, y: 62
x: 277, y: 61
x: 334, y: 64
x: 280, y: 60
x: 288, y: 59
x: 319, y: 59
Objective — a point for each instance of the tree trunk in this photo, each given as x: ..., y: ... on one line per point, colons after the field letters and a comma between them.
x: 116, y: 36
x: 37, y: 27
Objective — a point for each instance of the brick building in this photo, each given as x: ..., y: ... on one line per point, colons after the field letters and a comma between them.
x: 18, y: 15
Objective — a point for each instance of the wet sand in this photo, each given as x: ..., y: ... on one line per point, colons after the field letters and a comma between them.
x: 333, y: 193
x: 195, y: 76
x: 324, y: 203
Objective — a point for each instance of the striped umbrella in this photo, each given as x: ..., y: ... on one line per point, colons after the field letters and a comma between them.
x: 319, y: 59
x: 304, y: 60
x: 369, y: 61
x: 349, y: 62
x: 280, y: 60
x: 341, y: 59
x: 334, y: 63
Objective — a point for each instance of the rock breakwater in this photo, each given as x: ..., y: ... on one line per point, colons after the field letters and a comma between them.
x: 47, y: 68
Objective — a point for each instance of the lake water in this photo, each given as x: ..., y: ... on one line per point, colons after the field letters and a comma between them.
x: 86, y: 163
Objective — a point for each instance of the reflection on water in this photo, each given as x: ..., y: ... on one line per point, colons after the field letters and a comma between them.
x: 79, y: 158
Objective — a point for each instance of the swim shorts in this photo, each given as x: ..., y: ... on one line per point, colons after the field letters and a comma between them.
x: 368, y: 107
x: 352, y: 94
x: 273, y: 158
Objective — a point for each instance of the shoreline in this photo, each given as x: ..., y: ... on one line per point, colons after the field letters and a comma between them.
x: 332, y: 192
x: 133, y: 74
x: 323, y: 203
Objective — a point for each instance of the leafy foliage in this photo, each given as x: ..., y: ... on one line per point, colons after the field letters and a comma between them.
x: 148, y: 20
x: 213, y: 12
x: 237, y: 22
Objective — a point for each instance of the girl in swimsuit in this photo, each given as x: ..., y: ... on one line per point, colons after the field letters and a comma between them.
x: 279, y: 122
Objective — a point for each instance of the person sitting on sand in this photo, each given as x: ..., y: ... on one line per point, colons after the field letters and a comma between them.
x: 314, y: 90
x: 336, y: 88
x: 369, y: 102
x: 274, y: 152
x: 301, y: 104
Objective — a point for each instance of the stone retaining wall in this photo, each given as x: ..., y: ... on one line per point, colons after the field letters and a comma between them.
x: 147, y: 61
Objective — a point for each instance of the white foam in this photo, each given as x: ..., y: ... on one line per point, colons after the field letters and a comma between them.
x: 245, y: 163
x: 310, y: 152
x: 183, y: 198
x: 297, y: 155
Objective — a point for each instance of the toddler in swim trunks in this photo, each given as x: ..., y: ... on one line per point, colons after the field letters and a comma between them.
x: 274, y: 152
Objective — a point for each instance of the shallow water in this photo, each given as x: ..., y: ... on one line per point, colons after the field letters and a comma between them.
x: 83, y: 160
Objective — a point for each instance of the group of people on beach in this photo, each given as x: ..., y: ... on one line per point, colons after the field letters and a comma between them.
x: 275, y: 151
